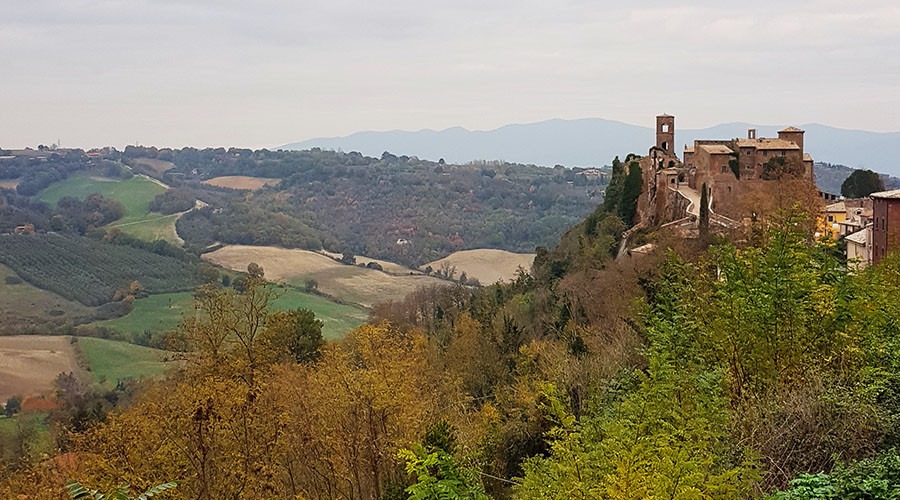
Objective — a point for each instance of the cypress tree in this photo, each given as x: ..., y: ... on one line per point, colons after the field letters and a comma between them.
x: 704, y: 213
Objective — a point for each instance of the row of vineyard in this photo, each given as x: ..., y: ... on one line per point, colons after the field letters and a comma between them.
x: 90, y: 271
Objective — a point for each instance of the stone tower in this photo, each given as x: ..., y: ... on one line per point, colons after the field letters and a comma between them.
x: 665, y: 133
x: 794, y: 135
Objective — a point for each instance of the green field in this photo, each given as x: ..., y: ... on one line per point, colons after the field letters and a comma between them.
x: 338, y: 318
x: 113, y: 360
x: 135, y: 195
x: 165, y: 311
x: 43, y: 442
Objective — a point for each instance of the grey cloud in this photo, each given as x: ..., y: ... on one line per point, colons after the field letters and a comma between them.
x: 265, y: 72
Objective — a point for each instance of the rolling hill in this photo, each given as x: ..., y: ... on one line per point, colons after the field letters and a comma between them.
x: 595, y: 141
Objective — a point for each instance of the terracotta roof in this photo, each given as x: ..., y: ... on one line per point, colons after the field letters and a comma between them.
x: 858, y: 237
x: 664, y: 116
x: 792, y: 129
x: 716, y: 149
x: 767, y: 144
x: 807, y: 157
x: 894, y: 194
x: 689, y: 149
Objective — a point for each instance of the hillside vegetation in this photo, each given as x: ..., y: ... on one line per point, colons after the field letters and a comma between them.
x: 90, y: 271
x: 163, y: 312
x: 395, y: 208
x: 723, y: 370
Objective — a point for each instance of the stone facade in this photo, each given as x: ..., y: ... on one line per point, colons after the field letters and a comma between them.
x: 885, y: 224
x: 730, y: 169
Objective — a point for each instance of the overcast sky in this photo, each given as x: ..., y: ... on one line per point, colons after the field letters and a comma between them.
x: 260, y: 73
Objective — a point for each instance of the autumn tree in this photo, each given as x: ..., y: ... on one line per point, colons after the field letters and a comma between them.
x: 297, y: 333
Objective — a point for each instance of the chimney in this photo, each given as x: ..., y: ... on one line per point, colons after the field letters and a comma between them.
x: 751, y: 133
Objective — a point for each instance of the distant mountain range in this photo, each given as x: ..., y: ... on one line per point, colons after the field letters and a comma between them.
x: 595, y: 141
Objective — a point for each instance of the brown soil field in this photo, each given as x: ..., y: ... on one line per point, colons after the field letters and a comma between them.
x: 158, y: 166
x: 352, y: 284
x: 240, y: 182
x: 30, y: 363
x: 486, y: 265
x: 9, y: 183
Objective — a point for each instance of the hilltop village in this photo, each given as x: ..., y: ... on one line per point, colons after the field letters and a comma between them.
x: 731, y: 171
x: 744, y: 176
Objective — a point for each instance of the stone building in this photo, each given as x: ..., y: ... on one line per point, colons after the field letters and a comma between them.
x: 885, y: 223
x: 730, y: 169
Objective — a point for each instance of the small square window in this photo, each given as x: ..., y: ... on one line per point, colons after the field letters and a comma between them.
x: 723, y: 168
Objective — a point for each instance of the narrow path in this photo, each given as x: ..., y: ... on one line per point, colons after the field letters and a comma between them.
x: 155, y: 181
x: 693, y: 196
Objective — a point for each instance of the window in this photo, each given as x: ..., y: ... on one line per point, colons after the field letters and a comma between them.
x: 748, y: 152
x: 765, y: 153
x: 723, y: 168
x: 665, y: 127
x: 830, y: 218
x: 784, y: 153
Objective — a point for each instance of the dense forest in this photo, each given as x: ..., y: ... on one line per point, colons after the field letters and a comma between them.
x: 395, y: 207
x: 702, y: 370
x: 346, y: 201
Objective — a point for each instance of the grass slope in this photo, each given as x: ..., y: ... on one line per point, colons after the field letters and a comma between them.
x: 351, y: 284
x: 135, y: 195
x: 113, y: 360
x: 165, y: 311
x: 24, y: 306
x: 487, y: 265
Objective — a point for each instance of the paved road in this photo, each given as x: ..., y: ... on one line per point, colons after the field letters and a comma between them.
x: 694, y: 196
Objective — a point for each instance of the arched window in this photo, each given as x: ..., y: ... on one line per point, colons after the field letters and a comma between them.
x: 665, y: 146
x: 665, y: 127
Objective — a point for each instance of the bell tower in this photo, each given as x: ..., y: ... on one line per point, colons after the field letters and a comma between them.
x: 665, y: 133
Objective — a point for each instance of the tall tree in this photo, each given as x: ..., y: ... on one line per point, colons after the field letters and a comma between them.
x: 861, y: 184
x: 704, y: 213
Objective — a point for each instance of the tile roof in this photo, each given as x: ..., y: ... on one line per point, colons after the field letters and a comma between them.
x: 807, y: 157
x: 791, y: 129
x: 767, y: 144
x: 894, y: 193
x: 858, y: 237
x: 716, y: 149
x: 836, y: 207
